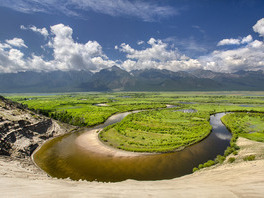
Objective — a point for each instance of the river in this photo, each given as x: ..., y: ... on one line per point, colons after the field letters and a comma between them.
x: 61, y: 157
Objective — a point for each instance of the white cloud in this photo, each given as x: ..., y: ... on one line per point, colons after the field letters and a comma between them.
x: 145, y: 10
x: 259, y: 27
x: 17, y: 42
x: 67, y: 54
x: 249, y: 57
x: 238, y: 41
x: 11, y: 60
x: 158, y: 51
x: 43, y: 31
x: 4, y: 46
x: 159, y: 55
x: 228, y: 42
x: 256, y: 44
x: 140, y: 42
x: 71, y: 55
x: 246, y: 39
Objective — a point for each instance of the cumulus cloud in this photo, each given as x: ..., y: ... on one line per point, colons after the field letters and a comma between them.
x: 10, y: 59
x: 247, y: 54
x: 67, y: 54
x: 4, y: 46
x: 246, y: 39
x: 259, y: 27
x: 43, y: 31
x: 145, y: 10
x: 159, y: 55
x: 72, y: 55
x: 16, y: 42
x: 232, y: 41
x: 249, y: 57
x: 228, y: 42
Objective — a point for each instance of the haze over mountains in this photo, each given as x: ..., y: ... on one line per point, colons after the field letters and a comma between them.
x: 116, y: 79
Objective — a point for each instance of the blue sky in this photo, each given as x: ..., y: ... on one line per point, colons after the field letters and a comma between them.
x: 220, y: 35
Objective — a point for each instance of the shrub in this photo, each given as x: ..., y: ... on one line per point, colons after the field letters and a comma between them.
x: 209, y: 163
x: 236, y: 147
x: 195, y: 169
x: 200, y: 166
x: 220, y: 159
x: 249, y: 158
x: 231, y: 159
x: 228, y: 151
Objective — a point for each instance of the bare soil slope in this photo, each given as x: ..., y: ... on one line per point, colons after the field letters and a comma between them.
x: 22, y: 131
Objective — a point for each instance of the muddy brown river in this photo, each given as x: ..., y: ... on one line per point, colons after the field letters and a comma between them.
x: 61, y: 157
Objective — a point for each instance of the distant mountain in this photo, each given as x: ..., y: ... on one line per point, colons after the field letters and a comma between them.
x: 56, y: 81
x: 116, y: 79
x: 165, y: 80
x: 241, y: 80
x: 110, y: 79
x: 200, y: 73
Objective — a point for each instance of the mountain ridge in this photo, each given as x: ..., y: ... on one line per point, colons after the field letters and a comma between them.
x: 117, y: 79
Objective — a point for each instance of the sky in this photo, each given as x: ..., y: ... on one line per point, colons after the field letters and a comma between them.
x: 177, y: 35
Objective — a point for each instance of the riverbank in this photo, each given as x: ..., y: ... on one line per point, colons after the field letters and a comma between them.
x: 89, y: 141
x: 238, y: 179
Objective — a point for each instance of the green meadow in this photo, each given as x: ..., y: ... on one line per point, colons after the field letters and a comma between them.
x: 247, y: 125
x: 157, y: 128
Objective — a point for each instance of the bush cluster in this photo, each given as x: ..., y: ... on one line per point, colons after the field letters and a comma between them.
x: 233, y: 148
x: 249, y: 158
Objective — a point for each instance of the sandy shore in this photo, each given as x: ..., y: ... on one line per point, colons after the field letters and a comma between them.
x: 90, y: 141
x: 20, y: 178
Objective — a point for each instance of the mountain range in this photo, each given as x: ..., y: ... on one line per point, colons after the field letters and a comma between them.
x: 116, y: 79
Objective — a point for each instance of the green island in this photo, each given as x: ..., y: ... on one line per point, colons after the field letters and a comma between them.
x: 158, y: 129
x: 247, y: 125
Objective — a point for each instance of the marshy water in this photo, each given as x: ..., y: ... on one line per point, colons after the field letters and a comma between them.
x: 62, y: 158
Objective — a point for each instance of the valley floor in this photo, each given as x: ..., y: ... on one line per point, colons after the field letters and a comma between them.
x: 20, y: 178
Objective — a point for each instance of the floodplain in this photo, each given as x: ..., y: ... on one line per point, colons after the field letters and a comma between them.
x: 165, y: 123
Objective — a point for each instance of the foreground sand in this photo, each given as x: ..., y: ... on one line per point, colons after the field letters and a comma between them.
x: 239, y: 179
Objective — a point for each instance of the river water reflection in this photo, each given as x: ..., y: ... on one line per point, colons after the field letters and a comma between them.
x: 62, y: 158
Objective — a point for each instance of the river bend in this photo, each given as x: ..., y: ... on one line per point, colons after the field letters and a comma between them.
x: 81, y: 156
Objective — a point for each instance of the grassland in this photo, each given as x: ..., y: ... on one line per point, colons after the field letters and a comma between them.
x: 158, y: 129
x: 247, y: 125
x: 81, y: 109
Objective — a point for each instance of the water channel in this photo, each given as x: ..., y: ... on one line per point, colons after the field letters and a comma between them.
x: 61, y: 157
